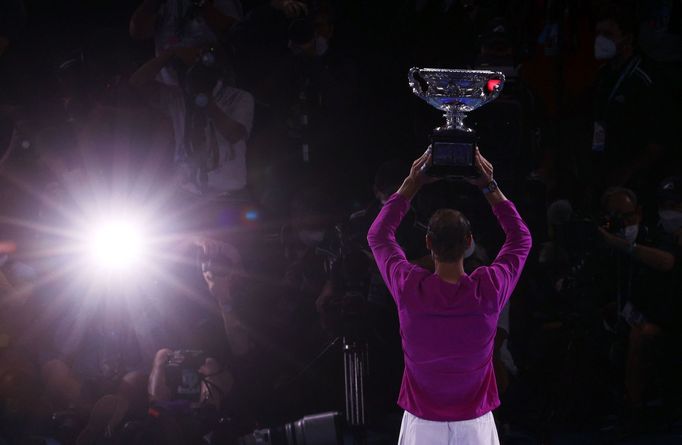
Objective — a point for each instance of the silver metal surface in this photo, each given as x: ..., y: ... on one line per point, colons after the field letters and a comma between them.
x: 456, y: 92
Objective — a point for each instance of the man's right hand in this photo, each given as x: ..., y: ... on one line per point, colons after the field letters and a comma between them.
x: 485, y: 168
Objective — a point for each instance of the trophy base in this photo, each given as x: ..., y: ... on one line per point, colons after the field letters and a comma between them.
x: 453, y: 154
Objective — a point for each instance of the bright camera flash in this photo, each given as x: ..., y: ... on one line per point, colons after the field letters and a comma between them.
x: 116, y: 245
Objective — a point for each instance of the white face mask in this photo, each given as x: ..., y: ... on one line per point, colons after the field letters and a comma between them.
x: 671, y: 220
x: 604, y: 48
x: 470, y: 250
x: 311, y: 238
x: 629, y: 233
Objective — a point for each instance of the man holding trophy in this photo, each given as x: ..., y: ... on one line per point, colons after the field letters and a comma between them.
x: 448, y: 319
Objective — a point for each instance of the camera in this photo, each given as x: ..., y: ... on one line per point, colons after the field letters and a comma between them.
x: 201, y: 78
x: 452, y: 155
x: 182, y: 374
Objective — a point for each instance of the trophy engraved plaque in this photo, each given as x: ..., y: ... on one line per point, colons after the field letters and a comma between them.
x: 455, y: 92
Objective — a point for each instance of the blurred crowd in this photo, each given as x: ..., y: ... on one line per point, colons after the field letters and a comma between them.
x: 260, y: 138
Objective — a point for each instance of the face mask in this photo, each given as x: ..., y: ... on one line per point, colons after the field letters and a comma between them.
x: 311, y: 237
x: 470, y: 250
x: 671, y: 220
x: 321, y: 45
x: 629, y: 233
x: 604, y: 48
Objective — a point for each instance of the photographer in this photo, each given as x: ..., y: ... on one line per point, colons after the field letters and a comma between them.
x: 641, y: 268
x: 219, y: 263
x: 211, y: 120
x: 448, y: 319
x: 189, y: 388
x: 624, y: 229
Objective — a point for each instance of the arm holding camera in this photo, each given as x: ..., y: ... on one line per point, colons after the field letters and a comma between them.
x: 146, y: 74
x: 652, y: 257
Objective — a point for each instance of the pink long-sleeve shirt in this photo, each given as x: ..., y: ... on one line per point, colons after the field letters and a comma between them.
x: 448, y: 330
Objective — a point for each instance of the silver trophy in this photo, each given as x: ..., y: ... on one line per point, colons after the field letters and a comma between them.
x: 456, y: 92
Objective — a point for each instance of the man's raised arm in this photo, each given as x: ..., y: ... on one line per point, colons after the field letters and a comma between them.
x: 506, y: 269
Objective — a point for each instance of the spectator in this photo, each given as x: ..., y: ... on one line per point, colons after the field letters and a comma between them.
x: 627, y: 132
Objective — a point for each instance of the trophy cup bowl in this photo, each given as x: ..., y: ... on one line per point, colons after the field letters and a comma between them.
x: 455, y: 92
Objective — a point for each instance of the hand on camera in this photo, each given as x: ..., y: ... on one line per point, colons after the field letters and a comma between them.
x: 485, y: 168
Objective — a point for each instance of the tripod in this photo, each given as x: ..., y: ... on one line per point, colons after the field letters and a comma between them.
x: 356, y: 368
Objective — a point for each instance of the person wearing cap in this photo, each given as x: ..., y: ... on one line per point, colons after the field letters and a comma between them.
x: 448, y: 319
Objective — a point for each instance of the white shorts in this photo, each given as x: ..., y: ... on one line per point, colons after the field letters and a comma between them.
x: 479, y: 431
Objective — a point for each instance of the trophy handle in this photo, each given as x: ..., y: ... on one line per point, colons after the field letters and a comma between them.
x: 415, y: 82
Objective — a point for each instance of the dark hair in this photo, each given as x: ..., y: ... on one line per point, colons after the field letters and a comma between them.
x: 622, y: 15
x: 448, y: 230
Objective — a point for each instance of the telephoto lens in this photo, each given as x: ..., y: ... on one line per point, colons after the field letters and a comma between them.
x: 317, y: 429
